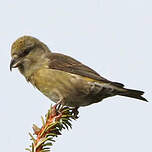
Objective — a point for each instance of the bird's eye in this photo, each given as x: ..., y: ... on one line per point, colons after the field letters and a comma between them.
x: 25, y: 52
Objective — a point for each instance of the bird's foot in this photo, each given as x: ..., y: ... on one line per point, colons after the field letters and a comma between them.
x: 56, y: 113
x: 59, y: 105
x: 75, y: 112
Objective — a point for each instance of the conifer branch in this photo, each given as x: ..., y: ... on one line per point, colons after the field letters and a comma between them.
x: 56, y: 120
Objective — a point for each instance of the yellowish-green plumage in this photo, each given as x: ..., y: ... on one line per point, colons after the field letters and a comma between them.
x: 62, y: 78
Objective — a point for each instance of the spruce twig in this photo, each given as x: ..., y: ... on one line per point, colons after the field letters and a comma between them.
x: 56, y: 120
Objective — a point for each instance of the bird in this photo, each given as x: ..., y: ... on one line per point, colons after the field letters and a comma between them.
x: 61, y: 78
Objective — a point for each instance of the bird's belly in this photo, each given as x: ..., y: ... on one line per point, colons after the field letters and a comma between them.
x: 57, y: 85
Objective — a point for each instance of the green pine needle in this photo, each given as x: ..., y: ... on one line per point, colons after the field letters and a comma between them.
x: 51, y: 128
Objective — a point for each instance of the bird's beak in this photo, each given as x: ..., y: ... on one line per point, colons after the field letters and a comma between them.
x: 15, y: 62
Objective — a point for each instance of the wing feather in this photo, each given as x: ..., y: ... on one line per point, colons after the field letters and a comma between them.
x: 68, y: 64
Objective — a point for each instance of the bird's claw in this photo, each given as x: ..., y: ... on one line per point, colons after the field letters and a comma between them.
x: 75, y: 112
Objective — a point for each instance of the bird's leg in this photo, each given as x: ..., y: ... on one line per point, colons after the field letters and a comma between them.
x: 60, y: 104
x: 75, y: 112
x: 56, y: 109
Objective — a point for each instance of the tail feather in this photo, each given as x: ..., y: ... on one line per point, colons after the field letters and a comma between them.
x: 133, y: 94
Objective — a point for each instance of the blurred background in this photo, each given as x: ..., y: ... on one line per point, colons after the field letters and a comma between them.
x: 112, y: 37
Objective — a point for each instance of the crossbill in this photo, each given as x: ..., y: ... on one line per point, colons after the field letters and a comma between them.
x: 61, y: 78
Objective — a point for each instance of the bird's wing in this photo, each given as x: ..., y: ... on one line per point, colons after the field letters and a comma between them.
x: 68, y: 64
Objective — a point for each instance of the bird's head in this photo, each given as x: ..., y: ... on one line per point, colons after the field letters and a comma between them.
x: 26, y: 49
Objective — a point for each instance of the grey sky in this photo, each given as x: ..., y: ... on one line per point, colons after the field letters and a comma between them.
x: 114, y: 37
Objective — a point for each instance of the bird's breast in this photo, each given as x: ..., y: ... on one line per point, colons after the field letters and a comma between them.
x: 57, y: 84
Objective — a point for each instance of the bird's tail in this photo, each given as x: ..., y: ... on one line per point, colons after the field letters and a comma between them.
x: 137, y: 94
